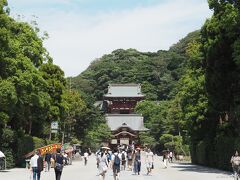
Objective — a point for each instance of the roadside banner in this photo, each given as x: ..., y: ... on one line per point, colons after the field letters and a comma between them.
x: 45, y: 149
x: 50, y: 148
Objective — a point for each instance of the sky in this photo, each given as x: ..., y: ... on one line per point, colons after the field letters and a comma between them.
x: 81, y: 31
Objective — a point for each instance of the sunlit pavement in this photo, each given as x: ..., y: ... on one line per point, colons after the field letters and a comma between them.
x: 77, y: 171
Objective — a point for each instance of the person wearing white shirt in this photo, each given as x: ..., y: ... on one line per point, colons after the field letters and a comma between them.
x: 34, y: 166
x: 171, y: 156
x: 103, y: 164
x: 85, y: 158
x: 149, y: 161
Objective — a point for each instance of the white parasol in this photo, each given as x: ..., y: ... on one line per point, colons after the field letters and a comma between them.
x: 105, y: 148
x: 2, y: 155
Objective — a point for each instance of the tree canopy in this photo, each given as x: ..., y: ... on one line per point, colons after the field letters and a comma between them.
x: 34, y: 93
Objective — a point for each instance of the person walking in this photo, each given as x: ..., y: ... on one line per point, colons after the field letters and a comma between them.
x: 98, y: 155
x: 40, y: 165
x: 235, y: 161
x: 124, y: 159
x: 89, y: 152
x: 85, y: 157
x: 137, y: 161
x: 149, y: 161
x: 129, y: 158
x: 34, y: 166
x: 36, y: 163
x: 165, y: 160
x: 65, y: 157
x: 59, y: 161
x: 103, y: 164
x: 171, y: 157
x: 48, y: 162
x: 116, y: 163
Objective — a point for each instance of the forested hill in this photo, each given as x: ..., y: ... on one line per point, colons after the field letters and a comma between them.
x: 158, y: 72
x: 193, y: 88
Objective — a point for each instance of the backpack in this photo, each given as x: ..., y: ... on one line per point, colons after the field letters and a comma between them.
x: 123, y: 157
x: 116, y: 160
x: 57, y: 159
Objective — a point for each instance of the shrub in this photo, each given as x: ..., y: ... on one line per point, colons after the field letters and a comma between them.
x: 38, y: 142
x: 10, y: 161
x: 224, y: 151
x: 201, y: 153
x: 174, y: 143
x: 217, y: 153
x: 25, y: 145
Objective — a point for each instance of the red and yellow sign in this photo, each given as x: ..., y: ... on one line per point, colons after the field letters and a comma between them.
x: 50, y: 148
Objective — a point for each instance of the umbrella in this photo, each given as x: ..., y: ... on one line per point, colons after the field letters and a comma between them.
x: 104, y: 147
x: 2, y: 155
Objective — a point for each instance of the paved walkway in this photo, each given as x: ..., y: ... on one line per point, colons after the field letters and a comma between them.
x: 77, y: 171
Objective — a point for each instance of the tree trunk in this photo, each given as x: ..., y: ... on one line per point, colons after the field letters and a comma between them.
x: 30, y: 127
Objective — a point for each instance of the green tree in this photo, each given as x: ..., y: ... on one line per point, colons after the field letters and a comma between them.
x: 73, y: 110
x: 220, y: 38
x: 56, y: 83
x: 25, y: 98
x: 220, y: 51
x: 100, y: 133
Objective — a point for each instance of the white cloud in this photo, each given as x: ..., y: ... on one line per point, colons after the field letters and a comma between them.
x: 38, y: 1
x: 76, y: 38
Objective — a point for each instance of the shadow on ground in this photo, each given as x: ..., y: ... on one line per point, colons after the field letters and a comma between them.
x: 198, y: 169
x: 4, y: 171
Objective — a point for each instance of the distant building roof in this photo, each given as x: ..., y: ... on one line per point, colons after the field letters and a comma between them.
x: 124, y: 90
x: 133, y: 121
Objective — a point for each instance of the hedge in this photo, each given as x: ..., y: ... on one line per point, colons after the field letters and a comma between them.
x: 225, y: 147
x: 216, y: 153
x: 201, y: 153
x: 25, y: 145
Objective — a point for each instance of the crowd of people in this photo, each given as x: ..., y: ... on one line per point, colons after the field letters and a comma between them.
x: 123, y: 158
x: 117, y: 159
x: 130, y: 157
x: 57, y: 160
